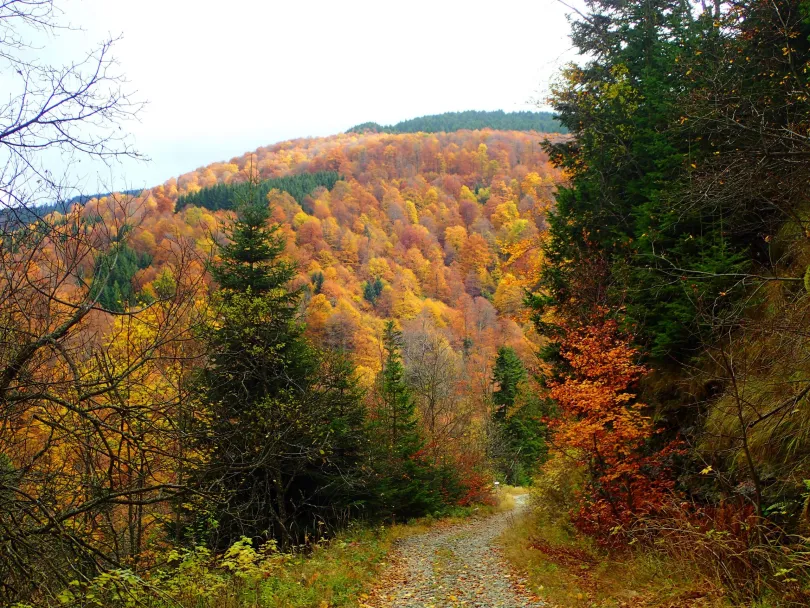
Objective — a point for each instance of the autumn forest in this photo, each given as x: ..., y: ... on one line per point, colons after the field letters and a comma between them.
x: 247, y: 385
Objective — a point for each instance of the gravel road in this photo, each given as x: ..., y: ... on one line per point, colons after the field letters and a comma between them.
x: 458, y: 565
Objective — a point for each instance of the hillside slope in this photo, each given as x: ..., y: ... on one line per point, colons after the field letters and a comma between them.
x: 438, y: 231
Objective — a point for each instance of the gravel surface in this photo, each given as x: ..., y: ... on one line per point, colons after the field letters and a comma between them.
x: 458, y: 565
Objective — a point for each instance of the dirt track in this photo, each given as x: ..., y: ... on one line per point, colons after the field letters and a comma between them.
x: 458, y: 565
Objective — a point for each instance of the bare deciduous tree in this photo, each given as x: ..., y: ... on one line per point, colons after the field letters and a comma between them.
x: 91, y: 408
x: 433, y: 371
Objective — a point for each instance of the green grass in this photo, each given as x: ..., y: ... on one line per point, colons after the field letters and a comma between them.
x: 334, y: 574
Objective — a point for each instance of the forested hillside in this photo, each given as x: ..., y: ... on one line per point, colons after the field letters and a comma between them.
x: 542, y: 122
x: 232, y: 346
x: 675, y: 290
x: 404, y: 226
x: 230, y: 388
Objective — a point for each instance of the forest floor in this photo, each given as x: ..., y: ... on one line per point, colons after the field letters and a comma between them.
x: 459, y: 564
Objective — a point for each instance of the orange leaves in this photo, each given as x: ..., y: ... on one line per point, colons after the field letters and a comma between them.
x: 475, y: 253
x: 607, y: 429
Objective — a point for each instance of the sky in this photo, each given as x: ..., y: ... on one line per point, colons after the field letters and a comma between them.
x: 223, y: 78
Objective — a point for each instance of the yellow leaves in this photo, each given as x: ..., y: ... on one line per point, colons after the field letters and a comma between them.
x: 319, y: 310
x: 467, y: 195
x: 509, y: 298
x: 406, y: 305
x: 411, y: 213
x: 431, y: 197
x: 505, y: 213
x: 455, y: 236
x: 531, y: 183
x: 379, y: 268
x: 300, y: 219
x: 438, y: 311
x: 707, y: 470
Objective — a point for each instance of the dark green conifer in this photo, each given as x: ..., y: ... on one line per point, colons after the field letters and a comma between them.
x: 285, y: 427
x: 408, y: 484
x: 518, y: 432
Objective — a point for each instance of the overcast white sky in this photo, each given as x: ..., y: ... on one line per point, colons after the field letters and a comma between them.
x: 222, y: 78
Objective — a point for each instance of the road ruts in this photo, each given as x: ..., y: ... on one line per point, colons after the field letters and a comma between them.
x: 456, y: 566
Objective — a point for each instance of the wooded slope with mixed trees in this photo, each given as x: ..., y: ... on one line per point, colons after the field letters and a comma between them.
x: 675, y: 289
x: 541, y: 122
x: 266, y: 349
x: 199, y: 376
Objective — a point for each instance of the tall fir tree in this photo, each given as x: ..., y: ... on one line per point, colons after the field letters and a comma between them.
x: 408, y: 484
x: 623, y: 233
x: 285, y: 428
x: 518, y: 432
x: 398, y: 406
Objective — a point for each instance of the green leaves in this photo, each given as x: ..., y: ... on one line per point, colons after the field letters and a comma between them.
x: 227, y: 196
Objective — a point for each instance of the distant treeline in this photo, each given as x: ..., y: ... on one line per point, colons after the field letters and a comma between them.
x: 543, y: 122
x: 224, y: 196
x: 84, y: 198
x: 29, y: 215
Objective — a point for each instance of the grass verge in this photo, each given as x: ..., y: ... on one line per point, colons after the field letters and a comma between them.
x: 565, y: 569
x: 342, y: 572
x: 331, y: 574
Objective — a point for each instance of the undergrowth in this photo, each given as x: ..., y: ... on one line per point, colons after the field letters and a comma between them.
x: 567, y: 569
x: 685, y: 556
x: 329, y: 574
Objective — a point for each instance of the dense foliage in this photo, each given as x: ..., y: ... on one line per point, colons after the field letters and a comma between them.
x: 542, y: 122
x: 284, y: 429
x: 407, y: 483
x: 518, y: 426
x: 223, y: 196
x: 198, y: 375
x: 681, y: 236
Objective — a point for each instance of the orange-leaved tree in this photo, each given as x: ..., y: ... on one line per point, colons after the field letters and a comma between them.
x: 604, y: 427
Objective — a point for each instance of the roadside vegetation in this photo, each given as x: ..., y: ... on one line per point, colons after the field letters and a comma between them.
x: 338, y: 572
x: 674, y: 296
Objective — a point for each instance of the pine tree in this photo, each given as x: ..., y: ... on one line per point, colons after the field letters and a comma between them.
x: 285, y: 427
x: 508, y: 373
x: 252, y: 257
x: 408, y: 485
x: 398, y: 405
x: 518, y: 433
x: 623, y: 233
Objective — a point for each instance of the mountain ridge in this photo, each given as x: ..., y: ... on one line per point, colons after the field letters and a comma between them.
x: 542, y: 122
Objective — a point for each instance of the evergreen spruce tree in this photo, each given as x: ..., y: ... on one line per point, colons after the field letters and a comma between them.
x: 285, y: 428
x: 508, y: 373
x: 623, y: 233
x: 398, y: 405
x: 408, y: 485
x: 518, y: 437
